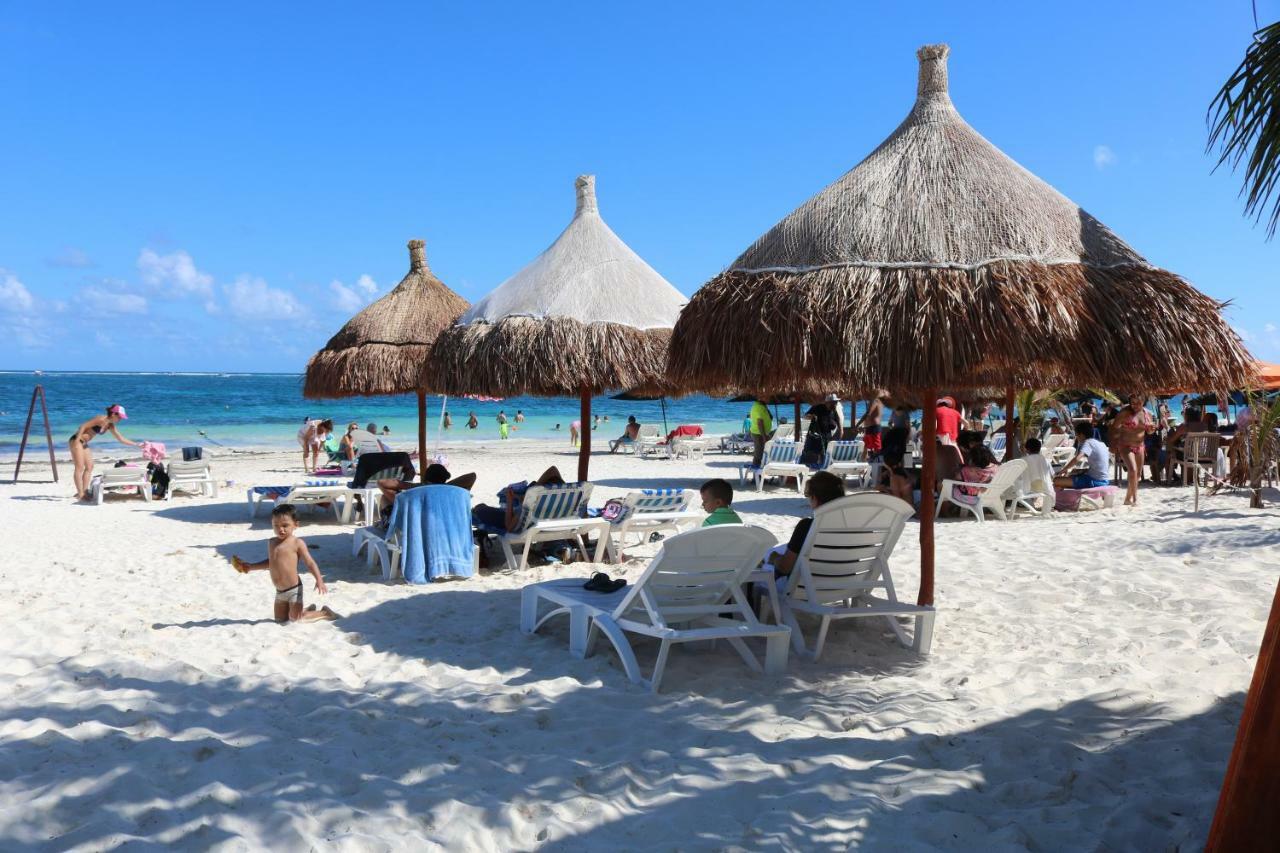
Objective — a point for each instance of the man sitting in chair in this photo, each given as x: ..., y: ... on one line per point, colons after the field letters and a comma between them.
x: 1095, y: 454
x: 628, y: 435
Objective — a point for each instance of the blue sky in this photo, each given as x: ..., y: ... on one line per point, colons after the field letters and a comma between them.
x: 218, y: 187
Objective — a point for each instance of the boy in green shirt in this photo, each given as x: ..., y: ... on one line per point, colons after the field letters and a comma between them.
x: 717, y: 495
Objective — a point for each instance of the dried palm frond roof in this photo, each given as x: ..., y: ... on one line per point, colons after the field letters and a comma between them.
x: 940, y: 262
x: 587, y: 313
x: 383, y: 349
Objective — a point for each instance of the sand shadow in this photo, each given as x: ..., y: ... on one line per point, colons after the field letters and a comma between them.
x: 209, y: 623
x: 229, y: 754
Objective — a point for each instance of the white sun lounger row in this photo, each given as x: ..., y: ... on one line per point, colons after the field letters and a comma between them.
x: 693, y: 590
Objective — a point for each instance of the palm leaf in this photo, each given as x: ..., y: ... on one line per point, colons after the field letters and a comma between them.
x: 1244, y: 122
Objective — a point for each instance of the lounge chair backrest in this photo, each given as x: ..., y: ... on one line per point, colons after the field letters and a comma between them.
x: 655, y: 500
x: 845, y: 451
x: 648, y: 431
x: 187, y: 470
x: 1052, y: 442
x: 1201, y: 447
x: 781, y: 450
x: 695, y: 574
x: 125, y: 474
x: 998, y: 443
x: 372, y: 467
x: 847, y: 550
x: 1006, y: 478
x: 550, y: 503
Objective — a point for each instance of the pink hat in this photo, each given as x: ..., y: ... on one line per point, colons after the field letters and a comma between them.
x: 118, y: 410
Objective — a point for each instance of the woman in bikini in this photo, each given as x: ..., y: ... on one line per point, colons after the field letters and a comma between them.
x: 312, y: 436
x: 1129, y: 433
x: 82, y: 457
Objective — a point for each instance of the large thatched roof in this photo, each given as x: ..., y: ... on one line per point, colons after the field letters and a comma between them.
x: 382, y: 350
x: 588, y: 313
x: 940, y: 262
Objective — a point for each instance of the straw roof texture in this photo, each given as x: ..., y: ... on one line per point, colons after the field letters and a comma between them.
x: 382, y: 350
x: 588, y: 313
x: 940, y: 262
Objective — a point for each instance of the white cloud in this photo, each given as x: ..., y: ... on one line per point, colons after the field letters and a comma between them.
x: 1103, y: 156
x: 104, y: 340
x: 176, y: 272
x: 1270, y: 328
x: 71, y: 258
x: 350, y: 299
x: 14, y: 296
x: 112, y: 302
x: 250, y: 298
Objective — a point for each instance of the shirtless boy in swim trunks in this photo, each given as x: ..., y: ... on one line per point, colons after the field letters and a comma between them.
x: 283, y: 553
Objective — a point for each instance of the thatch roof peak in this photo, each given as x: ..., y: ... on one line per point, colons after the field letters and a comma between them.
x: 588, y: 274
x: 383, y: 348
x: 936, y: 193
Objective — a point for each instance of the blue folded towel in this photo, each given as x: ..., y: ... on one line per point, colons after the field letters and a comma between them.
x: 433, y: 524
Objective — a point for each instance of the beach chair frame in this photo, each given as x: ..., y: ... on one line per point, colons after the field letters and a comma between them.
x: 843, y: 561
x: 992, y: 496
x: 651, y: 511
x: 691, y: 591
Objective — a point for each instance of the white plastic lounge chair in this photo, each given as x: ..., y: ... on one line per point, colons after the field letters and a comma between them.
x: 1026, y: 497
x: 120, y: 479
x: 684, y: 595
x: 551, y: 514
x: 844, y: 559
x: 991, y: 496
x: 650, y: 511
x: 1058, y: 447
x: 689, y: 447
x: 846, y: 459
x: 780, y: 461
x: 650, y: 441
x: 316, y: 491
x: 192, y: 476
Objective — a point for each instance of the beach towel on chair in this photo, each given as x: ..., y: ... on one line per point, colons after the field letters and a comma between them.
x: 373, y: 463
x: 433, y: 524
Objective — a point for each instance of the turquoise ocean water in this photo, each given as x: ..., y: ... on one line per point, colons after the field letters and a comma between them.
x: 266, y: 409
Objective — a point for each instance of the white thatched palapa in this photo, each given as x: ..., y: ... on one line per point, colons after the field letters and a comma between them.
x: 588, y: 274
x: 585, y: 316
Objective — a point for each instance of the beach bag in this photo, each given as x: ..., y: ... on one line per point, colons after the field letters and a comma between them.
x: 159, y: 479
x: 612, y: 510
x: 815, y: 449
x: 192, y: 454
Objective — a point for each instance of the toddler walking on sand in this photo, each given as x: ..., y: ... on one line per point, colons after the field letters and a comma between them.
x: 284, y: 551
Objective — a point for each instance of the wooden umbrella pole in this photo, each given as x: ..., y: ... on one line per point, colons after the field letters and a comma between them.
x: 1246, y: 812
x: 584, y: 445
x: 422, y: 432
x: 797, y: 422
x: 928, y: 473
x: 1009, y: 397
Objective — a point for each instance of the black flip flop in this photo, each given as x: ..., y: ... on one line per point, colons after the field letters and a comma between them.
x: 599, y: 582
x: 613, y: 585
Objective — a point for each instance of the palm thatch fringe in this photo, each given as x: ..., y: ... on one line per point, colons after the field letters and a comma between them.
x: 551, y: 356
x: 907, y: 328
x: 382, y: 349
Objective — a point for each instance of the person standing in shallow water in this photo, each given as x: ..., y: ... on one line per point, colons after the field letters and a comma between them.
x: 472, y: 421
x: 82, y: 457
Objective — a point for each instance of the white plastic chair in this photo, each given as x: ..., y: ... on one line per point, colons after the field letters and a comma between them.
x: 550, y: 514
x: 120, y: 479
x: 192, y: 476
x: 991, y: 496
x: 649, y: 440
x: 843, y: 561
x: 780, y: 461
x: 847, y: 459
x: 650, y: 511
x: 692, y: 590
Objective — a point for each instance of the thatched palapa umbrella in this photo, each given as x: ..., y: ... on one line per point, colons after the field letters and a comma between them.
x: 586, y: 315
x: 939, y: 262
x: 382, y: 350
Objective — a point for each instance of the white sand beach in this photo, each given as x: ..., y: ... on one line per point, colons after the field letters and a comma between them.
x: 1085, y: 681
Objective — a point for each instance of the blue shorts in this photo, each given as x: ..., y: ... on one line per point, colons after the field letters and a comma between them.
x: 1084, y: 481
